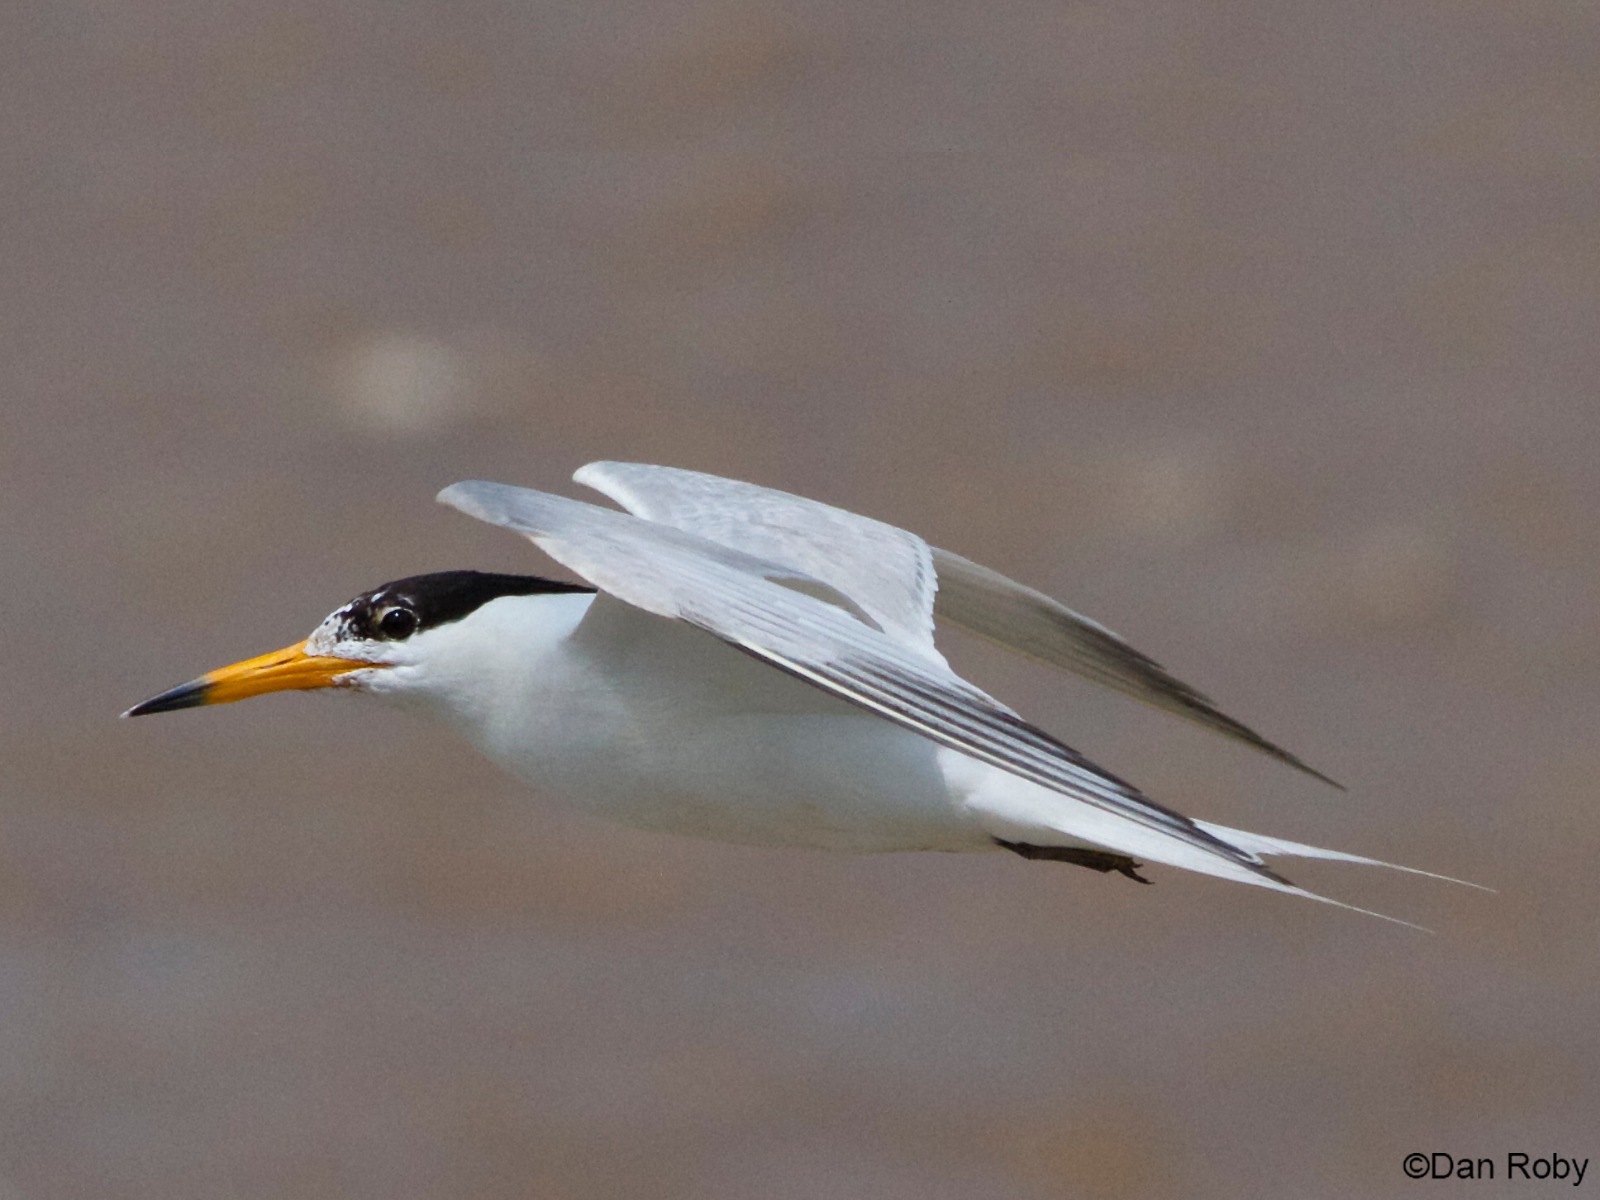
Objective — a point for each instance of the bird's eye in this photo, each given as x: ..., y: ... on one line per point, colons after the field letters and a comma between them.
x: 397, y: 622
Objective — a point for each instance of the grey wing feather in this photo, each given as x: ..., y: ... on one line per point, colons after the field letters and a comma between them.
x: 725, y: 592
x: 641, y: 562
x: 885, y: 570
x: 904, y: 584
x: 1031, y: 623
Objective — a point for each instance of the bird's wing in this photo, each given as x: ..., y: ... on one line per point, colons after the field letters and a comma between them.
x: 904, y: 584
x: 886, y: 571
x: 731, y: 595
x: 1031, y: 623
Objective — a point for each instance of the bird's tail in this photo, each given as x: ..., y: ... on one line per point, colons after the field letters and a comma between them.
x: 1270, y: 847
x: 1036, y: 818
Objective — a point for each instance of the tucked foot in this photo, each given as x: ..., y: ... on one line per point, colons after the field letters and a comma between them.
x: 1095, y: 860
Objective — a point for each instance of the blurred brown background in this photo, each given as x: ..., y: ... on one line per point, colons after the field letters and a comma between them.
x: 1264, y: 332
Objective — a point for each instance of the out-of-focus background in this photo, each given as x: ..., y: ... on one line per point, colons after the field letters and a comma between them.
x: 1265, y: 333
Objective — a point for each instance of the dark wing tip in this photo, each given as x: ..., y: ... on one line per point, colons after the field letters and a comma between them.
x: 1244, y: 733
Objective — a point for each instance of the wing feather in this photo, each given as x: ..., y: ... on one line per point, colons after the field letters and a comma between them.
x: 728, y: 593
x: 886, y: 571
x: 1019, y: 618
x: 903, y: 584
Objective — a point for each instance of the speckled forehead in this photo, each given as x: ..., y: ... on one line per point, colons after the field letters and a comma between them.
x: 347, y: 624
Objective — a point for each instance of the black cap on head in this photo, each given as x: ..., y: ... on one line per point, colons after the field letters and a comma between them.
x: 406, y: 606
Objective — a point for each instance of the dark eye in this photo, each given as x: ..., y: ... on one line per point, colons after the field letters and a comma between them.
x: 397, y: 622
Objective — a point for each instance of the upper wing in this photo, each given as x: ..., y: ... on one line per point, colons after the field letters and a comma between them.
x: 728, y: 594
x: 1031, y: 623
x: 886, y: 571
x: 903, y: 584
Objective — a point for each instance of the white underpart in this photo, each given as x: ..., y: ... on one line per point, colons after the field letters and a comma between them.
x: 650, y: 722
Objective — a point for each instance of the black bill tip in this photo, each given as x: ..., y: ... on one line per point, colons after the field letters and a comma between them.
x: 185, y: 695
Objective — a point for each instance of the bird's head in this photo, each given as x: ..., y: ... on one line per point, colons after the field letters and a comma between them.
x: 385, y: 640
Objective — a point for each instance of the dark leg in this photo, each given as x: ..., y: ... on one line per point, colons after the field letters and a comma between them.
x: 1095, y: 860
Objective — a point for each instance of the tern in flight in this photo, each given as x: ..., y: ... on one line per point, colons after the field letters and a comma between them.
x: 751, y: 666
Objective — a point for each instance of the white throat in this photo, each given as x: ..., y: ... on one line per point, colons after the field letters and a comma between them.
x: 498, y: 662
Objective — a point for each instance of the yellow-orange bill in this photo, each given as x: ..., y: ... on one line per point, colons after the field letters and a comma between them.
x: 289, y: 669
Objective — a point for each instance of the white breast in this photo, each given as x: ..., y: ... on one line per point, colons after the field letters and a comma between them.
x: 660, y: 725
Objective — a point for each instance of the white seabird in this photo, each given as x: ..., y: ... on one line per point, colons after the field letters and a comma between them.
x: 752, y: 666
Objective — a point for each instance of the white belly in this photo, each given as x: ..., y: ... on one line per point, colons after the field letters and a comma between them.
x: 838, y: 782
x: 661, y: 726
